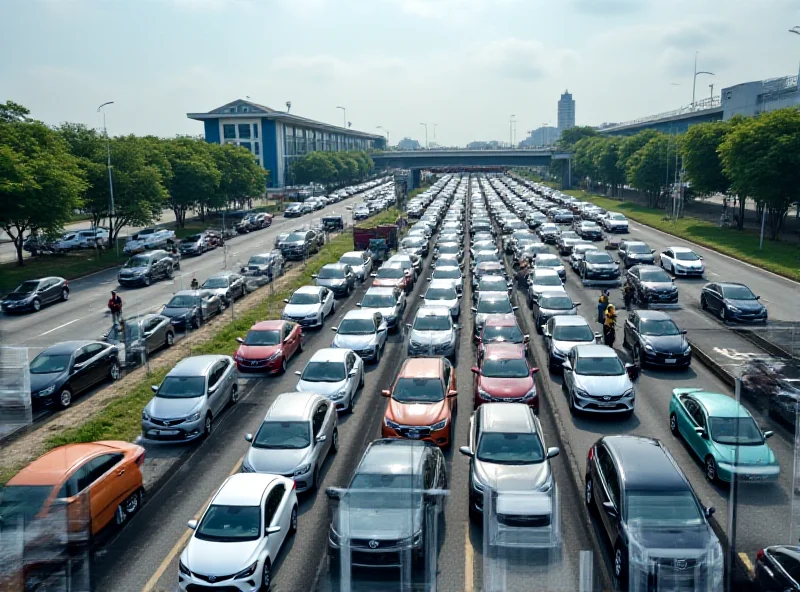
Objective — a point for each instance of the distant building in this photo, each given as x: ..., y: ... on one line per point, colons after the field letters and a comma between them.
x: 277, y: 138
x: 566, y: 112
x: 542, y: 136
x: 408, y: 144
x: 491, y: 145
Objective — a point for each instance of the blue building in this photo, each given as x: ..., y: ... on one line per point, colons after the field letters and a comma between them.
x: 277, y: 138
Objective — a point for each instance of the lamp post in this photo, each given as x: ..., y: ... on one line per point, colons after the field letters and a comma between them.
x: 425, y: 125
x: 387, y: 134
x: 344, y: 116
x: 510, y: 131
x: 696, y: 74
x: 434, y: 132
x: 796, y: 31
x: 110, y: 180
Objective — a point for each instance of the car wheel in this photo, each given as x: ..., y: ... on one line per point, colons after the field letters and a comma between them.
x: 673, y: 425
x: 620, y: 573
x: 64, y: 294
x: 293, y: 521
x: 703, y: 303
x: 266, y: 577
x: 170, y: 339
x: 64, y: 398
x: 208, y: 425
x: 283, y: 365
x: 335, y: 440
x: 234, y: 394
x: 132, y: 504
x: 36, y: 305
x: 113, y: 371
x: 711, y: 469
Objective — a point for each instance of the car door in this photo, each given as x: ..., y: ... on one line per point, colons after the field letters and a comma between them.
x: 666, y: 257
x: 153, y: 337
x: 52, y: 290
x: 99, y: 362
x: 81, y: 373
x: 449, y: 380
x: 328, y: 300
x: 695, y: 441
x: 273, y: 505
x: 381, y: 328
x: 111, y: 482
x: 631, y: 329
x: 289, y: 340
x: 569, y: 379
x: 237, y: 285
x: 608, y: 491
x: 317, y: 425
x: 215, y: 394
x: 713, y: 297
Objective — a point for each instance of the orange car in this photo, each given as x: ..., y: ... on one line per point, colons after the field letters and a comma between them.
x: 96, y: 482
x: 422, y: 402
x: 393, y: 276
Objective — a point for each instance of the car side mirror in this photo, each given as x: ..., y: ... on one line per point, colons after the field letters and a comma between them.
x: 566, y: 366
x: 768, y: 434
x: 373, y: 275
x: 465, y: 450
x: 474, y: 309
x: 272, y: 530
x: 248, y: 437
x: 333, y: 493
x: 515, y: 308
x: 758, y: 297
x: 475, y: 370
x: 610, y: 509
x: 154, y: 388
x: 451, y: 394
x: 700, y: 431
x: 286, y: 300
x: 598, y: 337
x: 408, y: 325
x: 353, y: 373
x: 576, y: 304
x: 553, y: 451
x: 334, y: 329
x: 709, y: 511
x: 240, y: 340
x: 192, y: 524
x: 321, y: 438
x: 386, y: 393
x: 534, y: 371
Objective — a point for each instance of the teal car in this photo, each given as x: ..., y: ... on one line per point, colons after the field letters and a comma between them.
x: 712, y: 424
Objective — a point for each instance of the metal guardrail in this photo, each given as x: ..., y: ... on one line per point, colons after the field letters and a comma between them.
x: 696, y: 107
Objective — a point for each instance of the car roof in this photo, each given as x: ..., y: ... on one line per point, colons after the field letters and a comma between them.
x: 681, y: 249
x: 296, y: 406
x: 67, y: 347
x: 380, y: 290
x: 507, y: 417
x: 650, y: 315
x: 243, y: 489
x: 53, y: 466
x: 308, y: 290
x: 393, y: 456
x: 359, y: 313
x: 645, y: 464
x: 731, y: 284
x: 195, y: 366
x: 493, y: 296
x: 719, y: 405
x: 503, y: 351
x: 352, y: 254
x: 545, y: 271
x: 224, y: 274
x: 330, y: 354
x: 571, y: 320
x: 501, y: 320
x: 267, y: 325
x: 595, y: 351
x: 335, y: 266
x: 420, y: 368
x: 433, y: 311
x: 441, y: 283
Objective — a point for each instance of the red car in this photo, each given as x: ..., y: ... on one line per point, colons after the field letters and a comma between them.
x: 267, y: 346
x: 503, y: 375
x: 391, y: 276
x: 501, y: 328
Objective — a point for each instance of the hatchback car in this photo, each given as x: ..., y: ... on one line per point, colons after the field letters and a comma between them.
x: 654, y: 338
x: 145, y: 268
x: 681, y: 261
x: 596, y: 380
x: 733, y: 302
x: 65, y: 370
x: 268, y: 346
x: 422, y: 402
x: 651, y: 285
x: 503, y: 375
x: 551, y: 304
x: 191, y: 395
x: 228, y: 286
x: 33, y: 294
x: 561, y: 334
x: 363, y: 331
x: 191, y: 308
x: 309, y: 306
x: 360, y: 262
x: 336, y: 374
x: 298, y: 432
x: 240, y: 534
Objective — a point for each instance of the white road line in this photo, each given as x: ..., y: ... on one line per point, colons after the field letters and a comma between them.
x: 61, y: 326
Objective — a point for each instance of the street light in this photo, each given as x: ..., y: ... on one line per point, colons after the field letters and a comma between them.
x: 344, y: 116
x: 510, y: 127
x: 425, y: 125
x: 546, y: 133
x: 387, y: 134
x: 110, y: 180
x: 696, y: 74
x: 434, y: 133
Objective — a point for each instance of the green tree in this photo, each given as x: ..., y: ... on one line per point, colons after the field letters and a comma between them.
x: 572, y: 136
x: 651, y: 169
x: 629, y: 145
x: 41, y: 183
x: 606, y: 161
x: 13, y: 112
x: 242, y: 178
x: 315, y: 167
x: 582, y: 161
x: 195, y: 177
x: 90, y: 150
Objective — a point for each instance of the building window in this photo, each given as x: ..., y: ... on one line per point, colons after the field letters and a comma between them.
x: 246, y: 145
x: 255, y: 130
x: 257, y: 148
x: 244, y: 130
x: 229, y: 131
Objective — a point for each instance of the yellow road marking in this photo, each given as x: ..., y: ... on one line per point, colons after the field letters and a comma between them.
x: 182, y: 541
x: 469, y: 584
x: 747, y: 563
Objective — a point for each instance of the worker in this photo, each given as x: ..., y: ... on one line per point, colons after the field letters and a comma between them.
x: 602, y: 304
x: 627, y: 295
x: 610, y: 326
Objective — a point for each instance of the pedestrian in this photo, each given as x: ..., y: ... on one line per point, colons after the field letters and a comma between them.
x: 627, y: 295
x: 602, y: 304
x: 610, y: 326
x: 115, y: 306
x: 724, y: 205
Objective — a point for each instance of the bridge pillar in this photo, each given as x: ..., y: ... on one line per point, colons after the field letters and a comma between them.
x: 416, y: 179
x: 566, y: 175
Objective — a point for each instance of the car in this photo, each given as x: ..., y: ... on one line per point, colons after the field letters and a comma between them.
x: 142, y: 334
x: 452, y: 273
x: 383, y: 530
x: 297, y: 434
x: 191, y: 308
x: 363, y: 331
x: 578, y: 253
x: 299, y: 245
x: 82, y: 239
x: 65, y: 370
x: 194, y: 244
x: 265, y: 264
x: 635, y: 253
x: 548, y: 233
x: 443, y: 293
x: 227, y: 285
x: 490, y: 303
x: 589, y: 230
x: 145, y: 268
x: 361, y: 212
x: 510, y: 462
x: 681, y: 261
x: 338, y: 277
x: 33, y: 294
x: 543, y: 280
x: 567, y: 239
x: 598, y: 266
x: 501, y: 329
x: 778, y: 568
x: 268, y: 346
x: 651, y: 285
x: 433, y: 333
x: 148, y: 239
x: 449, y: 248
x: 651, y: 516
x: 503, y: 375
x: 547, y: 261
x: 596, y: 381
x: 360, y: 262
x: 482, y: 256
x: 390, y: 302
x: 733, y: 302
x: 334, y: 373
x: 492, y: 283
x: 309, y: 306
x: 393, y: 276
x: 561, y: 334
x: 614, y: 222
x: 654, y: 338
x: 406, y: 261
x: 723, y: 436
x: 191, y: 395
x: 93, y: 483
x: 240, y: 534
x: 550, y: 304
x: 414, y: 244
x: 293, y: 210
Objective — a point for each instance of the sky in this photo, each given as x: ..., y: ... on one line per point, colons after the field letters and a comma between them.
x: 466, y: 66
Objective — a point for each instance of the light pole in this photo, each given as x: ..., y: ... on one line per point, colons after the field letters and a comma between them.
x: 111, y: 211
x: 434, y: 133
x: 696, y: 74
x: 796, y: 31
x: 425, y: 125
x: 344, y: 116
x: 510, y: 131
x: 387, y: 134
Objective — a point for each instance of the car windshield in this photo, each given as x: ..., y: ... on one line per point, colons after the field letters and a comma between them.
x: 327, y: 273
x: 46, y: 363
x: 28, y: 287
x: 599, y: 366
x: 263, y: 338
x: 662, y: 510
x: 493, y: 285
x: 215, y: 282
x: 323, y: 372
x: 686, y: 256
x: 547, y: 262
x: 296, y: 236
x: 258, y: 261
x: 292, y: 435
x: 593, y: 256
x: 542, y: 279
x: 432, y: 323
x: 414, y: 241
x: 362, y: 494
x: 182, y: 387
x: 511, y: 334
x: 137, y: 261
x: 418, y: 390
x: 640, y: 248
x: 617, y: 217
x: 441, y: 294
x: 573, y: 333
x: 658, y: 327
x: 654, y: 275
x: 391, y: 272
x: 447, y: 273
x: 378, y: 301
x: 193, y: 238
x: 356, y: 261
x: 22, y: 502
x: 449, y: 249
x: 549, y: 228
x: 735, y: 430
x: 480, y: 257
x: 500, y: 306
x: 356, y: 327
x: 738, y: 293
x: 230, y: 524
x: 556, y: 302
x: 183, y: 301
x: 304, y: 298
x: 508, y: 368
x: 510, y: 449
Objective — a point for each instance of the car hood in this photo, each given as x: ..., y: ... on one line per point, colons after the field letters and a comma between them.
x: 331, y: 282
x: 506, y: 387
x: 760, y: 455
x: 175, y: 312
x: 382, y: 523
x: 417, y: 414
x: 684, y: 542
x: 641, y: 256
x: 552, y: 312
x: 693, y: 264
x: 601, y: 386
x: 41, y: 381
x: 566, y: 346
x: 431, y: 337
x: 301, y: 310
x: 218, y: 559
x: 164, y: 408
x: 748, y: 305
x: 387, y: 282
x: 132, y: 270
x: 659, y: 286
x: 501, y: 477
x: 355, y: 342
x: 17, y: 296
x: 321, y: 388
x: 280, y: 461
x: 448, y: 303
x: 385, y: 312
x: 257, y: 352
x: 666, y: 343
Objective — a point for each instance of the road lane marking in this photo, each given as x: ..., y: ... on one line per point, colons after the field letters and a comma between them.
x: 747, y: 563
x: 469, y: 562
x: 61, y: 326
x: 183, y: 540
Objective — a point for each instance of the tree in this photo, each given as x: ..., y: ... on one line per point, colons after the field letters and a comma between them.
x: 315, y: 167
x: 606, y: 161
x: 761, y: 156
x: 572, y: 136
x: 242, y: 178
x: 629, y: 145
x: 195, y: 177
x: 89, y: 148
x: 582, y: 162
x: 41, y: 183
x: 651, y: 168
x: 11, y: 112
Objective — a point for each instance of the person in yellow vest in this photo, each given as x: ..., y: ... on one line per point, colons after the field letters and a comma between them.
x: 610, y: 326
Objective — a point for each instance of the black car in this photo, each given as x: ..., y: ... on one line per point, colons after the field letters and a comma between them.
x: 652, y: 285
x: 778, y: 568
x: 293, y: 210
x: 299, y: 245
x: 191, y: 308
x: 598, y: 265
x: 655, y: 339
x: 397, y: 523
x: 65, y: 370
x: 144, y: 333
x: 145, y: 268
x: 548, y: 232
x: 655, y: 524
x: 33, y: 294
x: 563, y: 217
x: 733, y: 302
x: 635, y: 252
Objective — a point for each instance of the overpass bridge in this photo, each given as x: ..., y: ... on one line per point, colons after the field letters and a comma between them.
x: 671, y: 122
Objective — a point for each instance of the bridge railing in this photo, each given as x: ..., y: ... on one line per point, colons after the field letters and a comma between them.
x: 697, y: 106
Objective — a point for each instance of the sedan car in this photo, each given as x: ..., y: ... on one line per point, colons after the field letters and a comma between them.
x: 443, y: 293
x: 561, y: 334
x: 589, y: 230
x: 337, y: 277
x: 595, y: 380
x: 551, y: 304
x: 191, y: 308
x: 654, y: 338
x: 681, y: 261
x: 614, y: 222
x: 334, y: 373
x: 548, y: 232
x: 651, y: 285
x: 578, y: 253
x: 598, y: 267
x: 541, y: 281
x: 393, y: 276
x: 360, y: 262
x: 451, y: 273
x: 268, y: 346
x: 239, y: 537
x: 142, y: 334
x: 33, y: 294
x: 492, y: 283
x: 501, y: 329
x: 733, y: 302
x: 546, y: 261
x: 723, y: 435
x: 390, y: 302
x: 145, y: 268
x: 309, y: 306
x: 227, y: 285
x: 363, y: 331
x: 778, y: 568
x: 484, y: 269
x: 433, y: 333
x: 634, y: 253
x: 65, y: 370
x: 503, y: 375
x: 296, y: 435
x: 566, y: 241
x: 490, y: 303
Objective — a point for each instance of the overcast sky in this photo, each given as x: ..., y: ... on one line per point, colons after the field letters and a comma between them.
x: 466, y: 65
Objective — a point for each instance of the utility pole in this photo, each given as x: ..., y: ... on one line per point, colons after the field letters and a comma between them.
x: 425, y: 125
x: 111, y: 210
x: 344, y: 116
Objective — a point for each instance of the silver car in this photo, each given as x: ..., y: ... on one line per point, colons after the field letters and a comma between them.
x: 544, y: 261
x: 363, y: 331
x: 192, y: 394
x: 451, y: 273
x: 443, y: 293
x: 561, y: 334
x: 551, y: 304
x: 298, y: 432
x: 390, y: 302
x: 541, y: 281
x: 336, y: 374
x: 360, y: 261
x: 489, y: 303
x: 228, y: 286
x: 433, y: 333
x: 596, y: 380
x: 337, y: 277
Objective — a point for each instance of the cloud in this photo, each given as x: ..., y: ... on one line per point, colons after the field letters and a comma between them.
x: 607, y: 8
x: 520, y: 58
x: 457, y: 11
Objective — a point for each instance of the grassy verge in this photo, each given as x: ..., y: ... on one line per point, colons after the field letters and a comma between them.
x: 389, y: 216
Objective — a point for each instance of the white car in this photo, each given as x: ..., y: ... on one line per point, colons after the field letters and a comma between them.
x: 82, y: 239
x: 614, y: 222
x: 309, y: 306
x: 360, y: 261
x: 336, y: 374
x: 443, y: 293
x: 364, y: 331
x: 451, y: 273
x: 147, y: 239
x: 241, y: 533
x: 681, y: 261
x: 543, y: 280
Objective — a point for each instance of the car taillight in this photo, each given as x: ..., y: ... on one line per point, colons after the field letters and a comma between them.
x: 294, y: 484
x: 760, y: 555
x: 140, y: 459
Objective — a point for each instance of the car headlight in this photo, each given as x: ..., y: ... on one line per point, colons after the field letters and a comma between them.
x: 649, y: 348
x: 275, y: 356
x: 391, y: 424
x: 247, y: 572
x: 439, y: 425
x: 531, y: 394
x: 183, y: 569
x: 582, y: 393
x: 558, y: 352
x: 193, y: 417
x: 312, y: 315
x: 145, y: 415
x: 301, y: 470
x: 628, y: 393
x: 687, y: 350
x: 482, y: 393
x: 476, y: 485
x: 734, y: 308
x: 47, y: 391
x: 339, y: 394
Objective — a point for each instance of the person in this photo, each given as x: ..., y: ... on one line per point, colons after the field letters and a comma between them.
x: 195, y: 284
x: 602, y: 304
x: 522, y: 275
x: 627, y: 295
x: 115, y: 306
x: 724, y: 205
x: 610, y: 326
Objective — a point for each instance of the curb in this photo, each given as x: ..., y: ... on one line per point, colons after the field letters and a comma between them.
x: 709, y: 363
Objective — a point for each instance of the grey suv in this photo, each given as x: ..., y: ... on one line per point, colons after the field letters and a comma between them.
x: 144, y: 268
x: 337, y: 277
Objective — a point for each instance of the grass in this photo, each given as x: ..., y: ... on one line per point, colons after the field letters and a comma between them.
x: 389, y: 216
